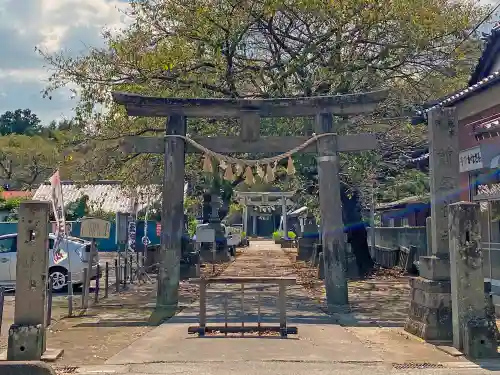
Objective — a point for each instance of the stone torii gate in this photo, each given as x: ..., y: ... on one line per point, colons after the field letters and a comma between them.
x: 262, y: 199
x: 249, y: 111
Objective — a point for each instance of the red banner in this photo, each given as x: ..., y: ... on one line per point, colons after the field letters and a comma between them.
x: 158, y: 229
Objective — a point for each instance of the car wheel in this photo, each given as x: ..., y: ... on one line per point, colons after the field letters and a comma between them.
x: 59, y: 278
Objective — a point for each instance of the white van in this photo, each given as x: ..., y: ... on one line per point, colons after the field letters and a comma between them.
x: 71, y: 250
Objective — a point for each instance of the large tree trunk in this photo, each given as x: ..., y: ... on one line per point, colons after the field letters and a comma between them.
x: 356, y: 230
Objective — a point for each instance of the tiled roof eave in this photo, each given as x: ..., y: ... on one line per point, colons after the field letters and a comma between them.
x: 488, y: 57
x: 465, y: 93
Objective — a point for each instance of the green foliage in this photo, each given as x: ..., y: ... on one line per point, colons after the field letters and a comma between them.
x: 277, y: 235
x: 192, y: 224
x: 235, y: 207
x: 270, y: 49
x: 26, y: 160
x: 11, y: 205
x: 82, y: 207
x: 406, y: 184
x: 77, y: 209
x: 292, y: 235
x: 21, y: 121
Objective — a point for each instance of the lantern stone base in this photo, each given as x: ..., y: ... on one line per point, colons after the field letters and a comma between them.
x: 435, y: 268
x: 305, y: 248
x: 430, y: 310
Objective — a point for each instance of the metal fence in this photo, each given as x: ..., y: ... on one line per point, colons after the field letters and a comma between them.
x: 491, y: 260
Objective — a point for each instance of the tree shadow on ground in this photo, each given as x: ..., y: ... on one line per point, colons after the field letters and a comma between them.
x: 382, y: 300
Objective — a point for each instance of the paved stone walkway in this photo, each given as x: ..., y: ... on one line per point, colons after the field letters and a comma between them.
x: 321, y: 347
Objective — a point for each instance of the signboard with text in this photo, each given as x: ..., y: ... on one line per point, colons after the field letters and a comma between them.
x: 470, y: 159
x: 121, y: 228
x: 205, y: 234
x: 95, y: 228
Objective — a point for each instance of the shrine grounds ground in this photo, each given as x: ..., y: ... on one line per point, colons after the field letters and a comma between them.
x: 116, y: 336
x: 107, y: 327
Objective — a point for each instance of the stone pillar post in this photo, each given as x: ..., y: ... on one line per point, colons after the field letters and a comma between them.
x: 430, y: 307
x: 283, y: 209
x: 428, y: 229
x: 167, y: 296
x: 245, y: 219
x: 27, y: 335
x: 472, y: 332
x: 444, y: 167
x: 332, y: 226
x: 254, y: 224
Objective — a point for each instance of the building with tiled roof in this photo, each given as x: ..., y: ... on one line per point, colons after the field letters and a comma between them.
x: 478, y: 111
x: 12, y: 194
x: 108, y: 196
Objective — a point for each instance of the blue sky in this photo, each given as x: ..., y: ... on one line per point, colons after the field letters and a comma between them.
x: 54, y: 25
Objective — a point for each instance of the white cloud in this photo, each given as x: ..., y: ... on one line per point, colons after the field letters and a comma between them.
x: 23, y: 75
x: 71, y: 25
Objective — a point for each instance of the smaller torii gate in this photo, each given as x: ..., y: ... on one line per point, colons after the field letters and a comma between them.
x: 264, y: 199
x: 327, y: 144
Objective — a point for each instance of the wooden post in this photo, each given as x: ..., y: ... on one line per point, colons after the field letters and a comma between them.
x: 88, y: 274
x: 27, y: 334
x: 332, y: 226
x: 106, y: 280
x: 2, y: 300
x: 131, y: 268
x: 70, y: 294
x: 97, y: 280
x: 125, y: 274
x: 117, y: 276
x: 242, y: 288
x: 49, y: 303
x: 282, y: 308
x: 172, y: 218
x: 85, y: 290
x: 203, y: 307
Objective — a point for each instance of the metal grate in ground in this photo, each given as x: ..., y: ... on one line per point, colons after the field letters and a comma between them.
x: 419, y: 366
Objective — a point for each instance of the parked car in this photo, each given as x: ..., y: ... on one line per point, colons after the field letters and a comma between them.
x: 71, y: 250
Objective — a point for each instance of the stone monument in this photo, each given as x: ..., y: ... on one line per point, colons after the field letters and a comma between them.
x: 430, y: 307
x: 27, y: 338
x: 474, y: 331
x: 309, y: 238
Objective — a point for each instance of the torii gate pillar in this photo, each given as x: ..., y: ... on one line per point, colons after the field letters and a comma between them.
x: 332, y: 226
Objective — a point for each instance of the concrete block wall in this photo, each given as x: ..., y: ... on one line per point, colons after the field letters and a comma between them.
x: 388, y: 240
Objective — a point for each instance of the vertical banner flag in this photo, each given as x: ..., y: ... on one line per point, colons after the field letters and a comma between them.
x: 58, y: 207
x: 131, y: 234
